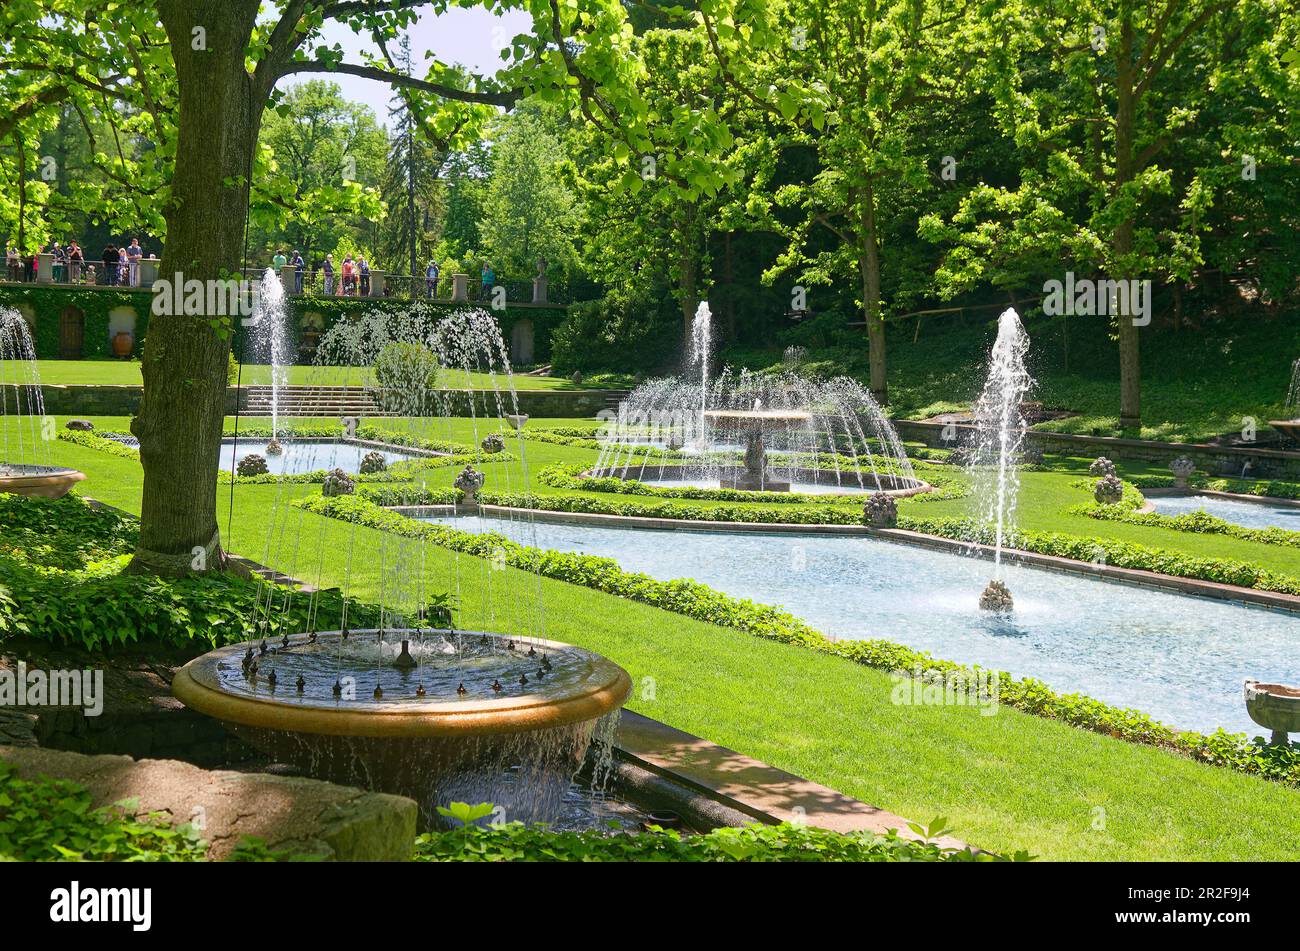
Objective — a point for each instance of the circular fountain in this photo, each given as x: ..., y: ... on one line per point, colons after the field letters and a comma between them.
x: 770, y: 432
x: 24, y: 455
x: 437, y: 715
x: 1290, y: 428
x: 413, y: 704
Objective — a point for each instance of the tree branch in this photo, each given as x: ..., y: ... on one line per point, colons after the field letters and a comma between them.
x: 505, y: 99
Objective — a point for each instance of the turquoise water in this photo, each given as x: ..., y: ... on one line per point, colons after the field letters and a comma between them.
x: 301, y: 457
x: 1262, y: 514
x: 1181, y: 659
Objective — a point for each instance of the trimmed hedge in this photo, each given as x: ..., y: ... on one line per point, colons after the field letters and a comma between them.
x: 1201, y: 523
x: 701, y: 602
x: 1116, y: 553
x: 1266, y: 488
x: 515, y: 842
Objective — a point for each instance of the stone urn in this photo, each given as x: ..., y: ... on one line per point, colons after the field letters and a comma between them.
x: 252, y: 465
x: 1101, y: 466
x: 1109, y: 490
x: 1275, y: 707
x: 996, y: 597
x: 337, y: 482
x: 469, y: 482
x: 373, y: 462
x: 123, y: 344
x: 1182, y: 468
x: 492, y: 444
x: 516, y: 420
x: 881, y: 511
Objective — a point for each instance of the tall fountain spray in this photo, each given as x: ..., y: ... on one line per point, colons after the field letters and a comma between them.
x: 701, y: 344
x: 1000, y: 434
x: 24, y: 462
x: 271, y: 323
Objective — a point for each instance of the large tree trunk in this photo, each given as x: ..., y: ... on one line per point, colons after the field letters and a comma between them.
x: 869, y: 267
x: 184, y: 362
x: 1130, y: 366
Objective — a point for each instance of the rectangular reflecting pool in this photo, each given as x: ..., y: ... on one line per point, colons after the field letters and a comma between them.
x: 1181, y: 659
x: 1261, y: 514
x: 305, y: 456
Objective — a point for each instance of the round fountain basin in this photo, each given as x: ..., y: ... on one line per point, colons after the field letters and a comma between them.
x: 517, y: 747
x: 1290, y: 428
x: 579, y: 685
x: 1273, y: 706
x: 45, y: 482
x: 797, y: 481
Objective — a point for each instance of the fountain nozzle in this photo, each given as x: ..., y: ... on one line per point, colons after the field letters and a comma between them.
x: 404, y: 660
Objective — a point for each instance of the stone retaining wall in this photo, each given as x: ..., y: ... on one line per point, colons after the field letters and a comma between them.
x: 1217, y: 460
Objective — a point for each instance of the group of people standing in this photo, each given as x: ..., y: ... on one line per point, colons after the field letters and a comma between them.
x: 119, y: 266
x: 354, y: 275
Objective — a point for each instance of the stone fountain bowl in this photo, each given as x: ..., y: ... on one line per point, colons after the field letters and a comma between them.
x: 437, y: 747
x: 733, y: 477
x: 1275, y: 707
x: 45, y: 482
x: 1290, y: 428
x: 758, y: 420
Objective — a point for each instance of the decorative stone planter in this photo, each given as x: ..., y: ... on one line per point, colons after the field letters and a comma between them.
x: 44, y: 482
x: 1275, y: 707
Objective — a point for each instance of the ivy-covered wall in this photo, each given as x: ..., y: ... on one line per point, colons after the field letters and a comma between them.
x: 95, y: 303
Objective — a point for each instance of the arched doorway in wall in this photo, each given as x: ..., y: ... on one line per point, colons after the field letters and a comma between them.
x: 521, y: 342
x: 72, y: 333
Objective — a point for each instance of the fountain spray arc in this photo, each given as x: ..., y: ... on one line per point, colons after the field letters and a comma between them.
x: 271, y: 327
x: 25, y: 452
x: 1001, y: 428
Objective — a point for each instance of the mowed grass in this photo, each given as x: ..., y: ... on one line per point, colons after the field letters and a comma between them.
x: 127, y: 373
x: 1005, y: 782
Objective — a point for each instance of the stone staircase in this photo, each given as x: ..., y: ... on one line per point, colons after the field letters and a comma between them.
x: 312, y: 401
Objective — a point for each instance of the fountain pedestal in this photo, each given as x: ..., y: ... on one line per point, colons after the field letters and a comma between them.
x: 752, y: 426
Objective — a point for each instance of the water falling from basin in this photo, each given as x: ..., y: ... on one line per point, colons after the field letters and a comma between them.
x: 773, y: 432
x: 1000, y: 433
x: 25, y: 453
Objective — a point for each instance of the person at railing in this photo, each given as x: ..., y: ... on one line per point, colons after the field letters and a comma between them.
x: 14, y: 261
x: 363, y: 275
x: 134, y: 254
x: 75, y: 260
x: 298, y: 266
x: 349, y: 287
x: 123, y: 267
x: 110, y: 264
x: 431, y: 279
x: 278, y: 262
x: 60, y: 261
x: 489, y: 278
x: 328, y: 270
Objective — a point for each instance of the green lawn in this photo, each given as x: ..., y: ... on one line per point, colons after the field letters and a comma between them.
x: 1005, y: 782
x: 127, y: 373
